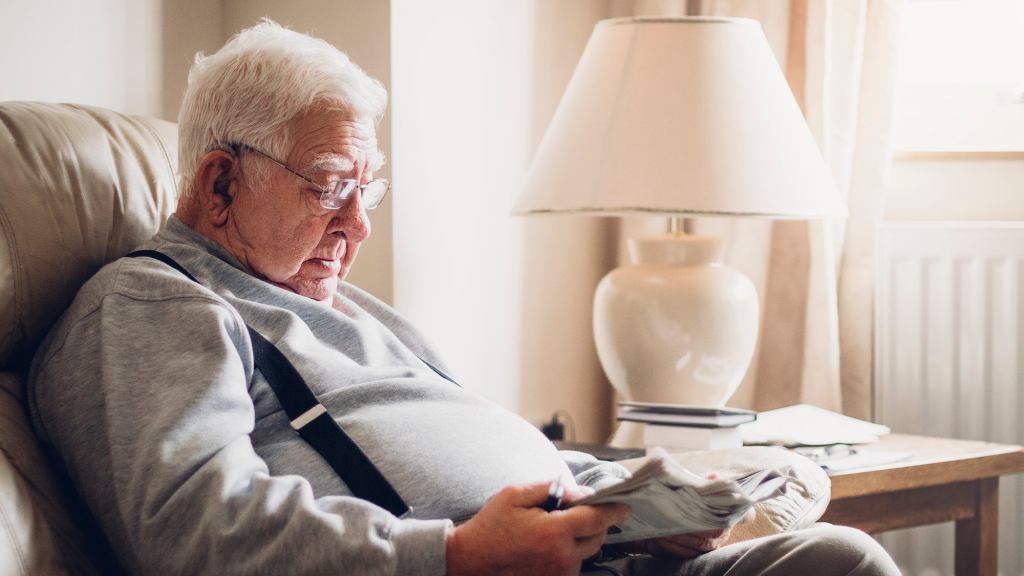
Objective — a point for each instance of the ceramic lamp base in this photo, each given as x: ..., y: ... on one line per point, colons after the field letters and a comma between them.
x: 628, y: 435
x: 676, y: 325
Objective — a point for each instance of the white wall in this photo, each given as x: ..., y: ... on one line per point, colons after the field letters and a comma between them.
x: 474, y: 83
x: 954, y: 186
x: 119, y: 54
x: 100, y: 52
x: 460, y: 87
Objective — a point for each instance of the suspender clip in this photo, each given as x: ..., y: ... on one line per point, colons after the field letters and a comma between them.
x: 308, y: 416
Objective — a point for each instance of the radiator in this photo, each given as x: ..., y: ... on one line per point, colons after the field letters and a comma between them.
x: 949, y: 360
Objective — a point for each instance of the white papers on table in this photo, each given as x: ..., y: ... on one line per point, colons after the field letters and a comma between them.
x: 806, y: 425
x: 863, y: 460
x: 842, y: 457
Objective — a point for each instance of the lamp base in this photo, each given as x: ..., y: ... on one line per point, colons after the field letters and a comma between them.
x: 675, y: 326
x: 628, y: 435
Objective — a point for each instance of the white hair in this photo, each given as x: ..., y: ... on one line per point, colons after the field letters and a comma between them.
x: 251, y: 89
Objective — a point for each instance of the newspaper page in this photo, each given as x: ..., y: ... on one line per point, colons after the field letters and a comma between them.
x: 667, y: 499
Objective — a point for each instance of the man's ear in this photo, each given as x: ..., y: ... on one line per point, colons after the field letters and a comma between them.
x: 216, y: 185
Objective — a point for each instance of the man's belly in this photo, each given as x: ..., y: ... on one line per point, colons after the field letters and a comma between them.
x: 443, y: 449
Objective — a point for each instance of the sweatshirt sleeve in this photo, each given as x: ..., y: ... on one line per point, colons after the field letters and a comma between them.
x: 589, y: 471
x: 146, y: 400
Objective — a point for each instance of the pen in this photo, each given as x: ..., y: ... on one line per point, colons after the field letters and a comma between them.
x: 555, y: 493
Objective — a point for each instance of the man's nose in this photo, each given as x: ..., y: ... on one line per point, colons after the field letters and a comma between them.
x: 352, y: 219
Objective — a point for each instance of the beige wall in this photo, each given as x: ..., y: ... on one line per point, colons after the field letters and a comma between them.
x: 563, y: 257
x: 189, y: 27
x: 361, y: 29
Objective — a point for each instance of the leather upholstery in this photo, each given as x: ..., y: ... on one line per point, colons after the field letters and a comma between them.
x: 79, y: 186
x: 32, y: 507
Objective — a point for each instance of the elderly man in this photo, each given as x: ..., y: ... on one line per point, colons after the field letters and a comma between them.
x: 165, y: 388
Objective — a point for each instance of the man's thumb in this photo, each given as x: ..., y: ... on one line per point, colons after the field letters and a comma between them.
x: 527, y: 495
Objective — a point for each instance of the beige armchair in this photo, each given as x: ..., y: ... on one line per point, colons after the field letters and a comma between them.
x: 79, y: 187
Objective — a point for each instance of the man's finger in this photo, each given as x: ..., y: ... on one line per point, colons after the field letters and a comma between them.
x: 573, y: 493
x: 703, y: 544
x: 691, y: 542
x: 526, y: 495
x: 674, y: 549
x: 709, y: 534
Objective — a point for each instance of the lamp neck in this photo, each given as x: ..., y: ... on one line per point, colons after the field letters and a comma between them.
x: 680, y: 225
x: 675, y: 249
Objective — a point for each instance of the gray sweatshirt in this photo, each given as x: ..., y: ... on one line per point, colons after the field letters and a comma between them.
x: 147, y: 390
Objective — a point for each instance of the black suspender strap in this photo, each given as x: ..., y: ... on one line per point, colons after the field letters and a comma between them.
x: 310, y: 419
x: 165, y: 259
x: 316, y: 426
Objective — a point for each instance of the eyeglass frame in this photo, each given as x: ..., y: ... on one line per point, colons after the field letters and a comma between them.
x: 325, y: 191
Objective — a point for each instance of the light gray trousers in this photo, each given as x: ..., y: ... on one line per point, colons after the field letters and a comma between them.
x: 821, y: 550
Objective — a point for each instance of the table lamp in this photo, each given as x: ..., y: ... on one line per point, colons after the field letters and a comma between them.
x: 678, y: 117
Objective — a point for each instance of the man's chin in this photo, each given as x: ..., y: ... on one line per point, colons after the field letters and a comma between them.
x: 319, y: 289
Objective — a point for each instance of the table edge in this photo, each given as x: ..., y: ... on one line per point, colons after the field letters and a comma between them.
x: 1004, y: 459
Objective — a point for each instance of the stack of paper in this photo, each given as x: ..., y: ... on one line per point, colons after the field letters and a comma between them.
x: 806, y: 425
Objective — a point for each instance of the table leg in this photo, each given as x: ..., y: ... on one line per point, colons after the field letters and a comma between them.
x: 977, y: 538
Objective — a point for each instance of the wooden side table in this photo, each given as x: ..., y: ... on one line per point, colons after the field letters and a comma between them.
x: 944, y: 480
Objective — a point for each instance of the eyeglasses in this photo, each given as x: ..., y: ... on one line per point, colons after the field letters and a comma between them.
x: 334, y: 195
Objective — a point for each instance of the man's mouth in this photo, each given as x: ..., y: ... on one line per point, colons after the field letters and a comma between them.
x: 325, y: 266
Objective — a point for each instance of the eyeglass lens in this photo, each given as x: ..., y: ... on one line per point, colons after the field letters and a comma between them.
x: 373, y: 193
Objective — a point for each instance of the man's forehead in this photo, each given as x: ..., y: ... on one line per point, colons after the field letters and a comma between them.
x: 337, y: 145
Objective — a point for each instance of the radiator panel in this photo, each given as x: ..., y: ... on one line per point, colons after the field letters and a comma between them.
x: 949, y: 360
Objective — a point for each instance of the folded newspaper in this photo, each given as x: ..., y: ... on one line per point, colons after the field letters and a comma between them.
x: 668, y: 499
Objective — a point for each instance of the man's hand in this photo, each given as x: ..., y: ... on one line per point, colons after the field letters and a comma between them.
x: 512, y: 535
x: 683, y: 545
x: 679, y: 546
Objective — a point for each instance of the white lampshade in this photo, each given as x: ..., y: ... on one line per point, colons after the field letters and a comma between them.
x: 679, y: 116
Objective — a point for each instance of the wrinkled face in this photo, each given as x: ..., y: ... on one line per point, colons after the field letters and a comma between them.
x: 280, y: 232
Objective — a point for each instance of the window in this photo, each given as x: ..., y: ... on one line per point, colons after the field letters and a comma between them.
x: 960, y: 80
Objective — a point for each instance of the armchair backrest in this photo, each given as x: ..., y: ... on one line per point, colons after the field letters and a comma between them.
x: 79, y: 187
